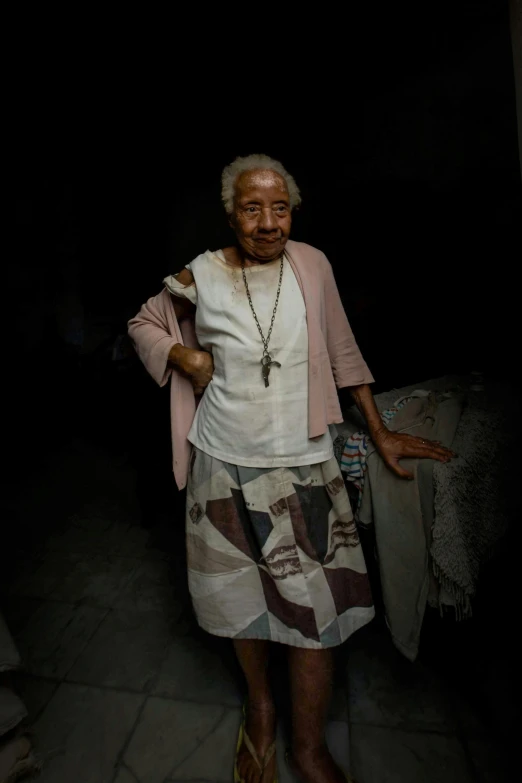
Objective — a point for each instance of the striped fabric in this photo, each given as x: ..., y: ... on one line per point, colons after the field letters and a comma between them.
x: 353, y: 457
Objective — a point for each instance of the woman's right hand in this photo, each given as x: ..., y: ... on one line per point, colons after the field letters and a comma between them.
x: 196, y: 365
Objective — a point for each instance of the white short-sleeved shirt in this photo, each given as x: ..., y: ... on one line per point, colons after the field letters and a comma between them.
x: 239, y: 420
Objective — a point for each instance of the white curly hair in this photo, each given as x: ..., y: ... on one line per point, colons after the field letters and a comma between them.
x: 231, y: 173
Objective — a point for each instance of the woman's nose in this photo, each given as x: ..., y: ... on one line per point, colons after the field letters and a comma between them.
x: 267, y: 220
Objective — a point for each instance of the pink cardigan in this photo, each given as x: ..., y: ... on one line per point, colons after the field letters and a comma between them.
x: 334, y: 357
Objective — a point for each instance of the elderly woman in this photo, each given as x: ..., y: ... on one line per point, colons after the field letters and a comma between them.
x: 254, y: 340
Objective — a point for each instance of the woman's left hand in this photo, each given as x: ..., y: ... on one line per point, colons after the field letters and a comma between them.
x: 394, y: 446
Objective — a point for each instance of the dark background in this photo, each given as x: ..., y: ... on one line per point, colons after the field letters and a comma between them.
x: 399, y: 127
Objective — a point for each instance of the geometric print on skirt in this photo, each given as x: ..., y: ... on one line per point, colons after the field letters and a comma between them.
x: 273, y: 553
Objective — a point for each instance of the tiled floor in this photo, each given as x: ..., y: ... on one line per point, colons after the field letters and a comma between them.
x: 123, y: 688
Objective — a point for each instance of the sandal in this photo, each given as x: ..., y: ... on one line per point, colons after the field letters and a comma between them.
x: 288, y: 759
x: 245, y: 739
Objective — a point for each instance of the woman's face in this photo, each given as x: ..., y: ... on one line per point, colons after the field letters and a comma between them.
x: 262, y: 217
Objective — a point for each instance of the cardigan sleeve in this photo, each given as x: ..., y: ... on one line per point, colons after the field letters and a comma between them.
x: 348, y: 365
x: 152, y: 338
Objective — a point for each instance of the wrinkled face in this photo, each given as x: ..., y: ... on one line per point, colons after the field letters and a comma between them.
x: 262, y: 217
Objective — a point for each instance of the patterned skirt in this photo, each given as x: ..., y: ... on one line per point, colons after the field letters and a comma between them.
x: 273, y: 553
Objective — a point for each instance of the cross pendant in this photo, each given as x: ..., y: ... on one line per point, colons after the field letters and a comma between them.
x: 267, y: 363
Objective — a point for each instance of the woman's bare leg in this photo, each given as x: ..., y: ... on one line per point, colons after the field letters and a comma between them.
x: 252, y: 655
x: 311, y: 673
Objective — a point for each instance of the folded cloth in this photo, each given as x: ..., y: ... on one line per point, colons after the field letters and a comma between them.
x: 454, y: 515
x: 475, y: 495
x: 402, y: 514
x: 354, y: 452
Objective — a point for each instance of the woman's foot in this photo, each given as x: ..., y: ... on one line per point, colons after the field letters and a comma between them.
x: 260, y: 727
x: 316, y: 765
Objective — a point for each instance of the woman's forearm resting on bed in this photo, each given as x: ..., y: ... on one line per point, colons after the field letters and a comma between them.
x: 365, y: 402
